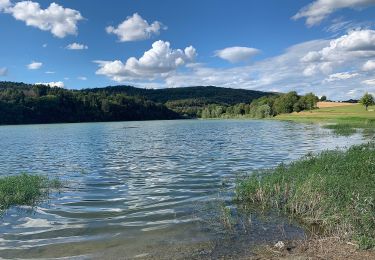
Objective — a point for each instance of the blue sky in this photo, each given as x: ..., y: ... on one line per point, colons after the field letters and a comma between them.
x: 324, y: 46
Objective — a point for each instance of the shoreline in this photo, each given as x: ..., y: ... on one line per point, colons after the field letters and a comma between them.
x: 328, y: 191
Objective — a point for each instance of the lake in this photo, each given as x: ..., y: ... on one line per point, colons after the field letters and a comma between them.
x: 147, y: 189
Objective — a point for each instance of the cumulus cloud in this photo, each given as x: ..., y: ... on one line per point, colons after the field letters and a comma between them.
x: 318, y: 10
x: 4, y: 4
x: 3, y: 72
x: 341, y: 76
x: 76, y: 46
x: 57, y: 84
x: 236, y: 54
x: 355, y: 45
x: 287, y: 76
x: 34, y: 65
x: 58, y: 20
x: 135, y: 28
x: 369, y: 65
x: 261, y: 75
x: 336, y: 68
x: 157, y: 62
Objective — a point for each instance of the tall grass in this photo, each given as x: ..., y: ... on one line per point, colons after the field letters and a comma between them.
x: 342, y: 129
x: 25, y: 189
x: 334, y: 191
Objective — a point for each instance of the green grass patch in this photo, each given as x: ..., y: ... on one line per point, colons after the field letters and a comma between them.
x: 342, y: 129
x: 25, y: 189
x: 355, y: 115
x: 345, y: 120
x: 334, y: 191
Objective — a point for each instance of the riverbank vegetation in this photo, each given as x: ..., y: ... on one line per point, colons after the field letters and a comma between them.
x: 25, y: 189
x: 264, y: 107
x: 332, y: 193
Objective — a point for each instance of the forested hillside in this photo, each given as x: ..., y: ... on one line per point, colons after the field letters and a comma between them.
x: 190, y: 101
x: 23, y: 103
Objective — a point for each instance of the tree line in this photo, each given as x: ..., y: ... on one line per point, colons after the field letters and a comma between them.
x: 26, y: 104
x: 267, y: 106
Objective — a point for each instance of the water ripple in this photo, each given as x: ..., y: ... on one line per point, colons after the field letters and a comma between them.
x: 128, y: 178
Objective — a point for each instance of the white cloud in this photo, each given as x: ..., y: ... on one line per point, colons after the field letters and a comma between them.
x: 236, y: 54
x: 58, y: 20
x: 370, y: 82
x: 354, y: 46
x: 281, y: 73
x: 3, y: 72
x: 369, y: 65
x: 50, y: 72
x: 261, y: 75
x: 135, y: 28
x: 57, y: 84
x: 321, y: 9
x: 157, y: 62
x: 76, y: 46
x: 82, y: 78
x: 342, y: 57
x: 341, y: 76
x: 4, y: 4
x: 339, y: 25
x: 34, y: 65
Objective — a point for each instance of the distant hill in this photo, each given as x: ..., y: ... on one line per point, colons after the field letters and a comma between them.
x: 189, y: 101
x: 22, y: 103
x: 206, y: 94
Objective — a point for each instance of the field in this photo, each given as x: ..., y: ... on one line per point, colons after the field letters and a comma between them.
x: 354, y: 115
x: 334, y: 104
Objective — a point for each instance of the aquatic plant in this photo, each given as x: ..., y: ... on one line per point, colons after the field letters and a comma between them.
x: 342, y: 129
x: 25, y: 189
x: 333, y: 191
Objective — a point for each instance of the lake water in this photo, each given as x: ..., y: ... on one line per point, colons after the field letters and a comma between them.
x: 145, y: 189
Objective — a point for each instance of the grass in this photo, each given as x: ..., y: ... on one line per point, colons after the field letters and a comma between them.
x: 333, y: 191
x: 342, y: 129
x: 25, y: 189
x: 344, y: 120
x: 355, y: 115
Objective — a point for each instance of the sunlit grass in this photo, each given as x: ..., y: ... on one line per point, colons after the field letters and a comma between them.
x: 344, y: 120
x: 334, y: 191
x: 355, y: 114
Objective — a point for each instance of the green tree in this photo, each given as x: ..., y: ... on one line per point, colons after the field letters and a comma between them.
x: 323, y: 98
x: 285, y: 103
x: 263, y: 111
x: 367, y: 100
x: 310, y: 101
